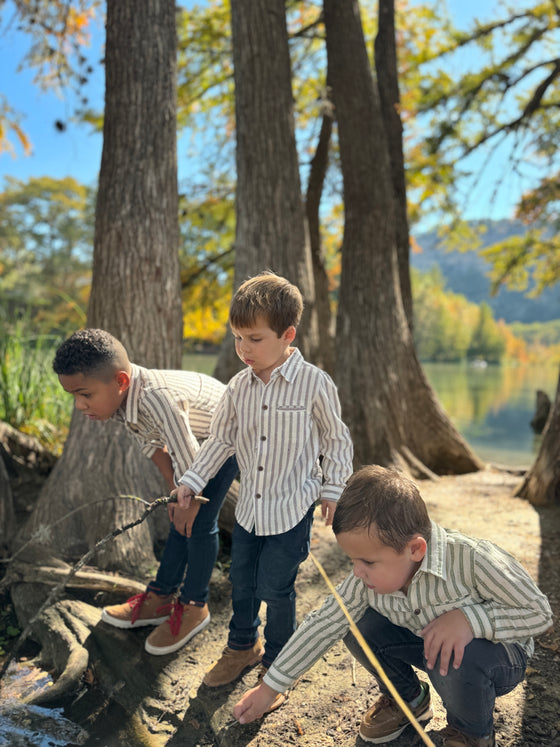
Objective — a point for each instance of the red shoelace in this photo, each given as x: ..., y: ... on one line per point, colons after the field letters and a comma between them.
x: 175, y: 617
x: 138, y: 600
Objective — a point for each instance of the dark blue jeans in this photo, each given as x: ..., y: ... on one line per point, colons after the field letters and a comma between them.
x: 264, y: 569
x: 488, y: 670
x: 197, y: 553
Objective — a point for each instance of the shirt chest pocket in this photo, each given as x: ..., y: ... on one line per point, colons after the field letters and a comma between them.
x: 292, y: 427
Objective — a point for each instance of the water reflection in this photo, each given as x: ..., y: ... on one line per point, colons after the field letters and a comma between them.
x: 492, y: 407
x: 24, y: 725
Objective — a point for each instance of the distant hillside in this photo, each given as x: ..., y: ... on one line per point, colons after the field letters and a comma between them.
x: 466, y: 273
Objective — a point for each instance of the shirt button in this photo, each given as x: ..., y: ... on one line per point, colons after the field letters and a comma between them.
x: 265, y: 407
x: 258, y: 495
x: 263, y: 438
x: 417, y: 612
x: 260, y: 469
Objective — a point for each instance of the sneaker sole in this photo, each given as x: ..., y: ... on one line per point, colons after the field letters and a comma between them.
x: 426, y: 716
x: 128, y: 625
x: 162, y: 650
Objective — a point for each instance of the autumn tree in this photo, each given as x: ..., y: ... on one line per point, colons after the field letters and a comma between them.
x: 135, y: 285
x: 392, y: 412
x: 507, y: 101
x: 46, y: 233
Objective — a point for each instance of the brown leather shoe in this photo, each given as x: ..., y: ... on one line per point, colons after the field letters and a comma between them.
x: 385, y: 721
x: 452, y: 737
x: 185, y: 622
x: 232, y: 664
x: 148, y: 608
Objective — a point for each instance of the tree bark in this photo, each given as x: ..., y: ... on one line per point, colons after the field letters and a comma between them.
x: 388, y: 85
x: 271, y: 231
x: 541, y: 486
x: 7, y: 513
x: 386, y: 400
x: 317, y: 174
x: 135, y: 291
x: 542, y: 411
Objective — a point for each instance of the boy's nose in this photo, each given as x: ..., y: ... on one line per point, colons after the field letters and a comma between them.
x: 80, y: 404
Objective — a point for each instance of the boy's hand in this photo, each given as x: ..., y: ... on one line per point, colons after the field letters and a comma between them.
x: 183, y: 518
x: 327, y: 511
x: 448, y: 634
x: 254, y: 703
x: 183, y: 495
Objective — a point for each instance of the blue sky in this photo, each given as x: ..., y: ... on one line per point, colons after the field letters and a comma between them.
x: 77, y: 151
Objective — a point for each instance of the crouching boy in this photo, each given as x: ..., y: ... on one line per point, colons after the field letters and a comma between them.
x: 460, y: 609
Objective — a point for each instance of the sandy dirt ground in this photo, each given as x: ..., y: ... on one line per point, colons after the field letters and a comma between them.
x: 326, y: 707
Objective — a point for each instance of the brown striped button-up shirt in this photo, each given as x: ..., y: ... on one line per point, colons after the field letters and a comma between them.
x: 278, y: 431
x: 170, y: 409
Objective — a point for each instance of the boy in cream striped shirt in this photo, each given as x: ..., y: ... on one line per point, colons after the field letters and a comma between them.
x: 279, y: 415
x: 168, y: 413
x: 460, y: 609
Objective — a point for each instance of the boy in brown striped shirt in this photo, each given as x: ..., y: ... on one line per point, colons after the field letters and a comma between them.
x: 168, y: 413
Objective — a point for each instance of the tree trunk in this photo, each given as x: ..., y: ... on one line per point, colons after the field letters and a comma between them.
x: 271, y: 229
x: 386, y: 400
x: 317, y: 174
x: 388, y: 85
x: 7, y: 513
x: 135, y: 291
x: 541, y: 486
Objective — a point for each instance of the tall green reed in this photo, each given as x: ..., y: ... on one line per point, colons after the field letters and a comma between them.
x: 31, y: 398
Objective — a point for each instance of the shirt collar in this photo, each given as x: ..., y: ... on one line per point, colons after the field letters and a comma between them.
x: 288, y: 370
x: 434, y: 560
x: 133, y: 395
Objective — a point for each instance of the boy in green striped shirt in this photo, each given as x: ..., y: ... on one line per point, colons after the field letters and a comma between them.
x: 460, y: 609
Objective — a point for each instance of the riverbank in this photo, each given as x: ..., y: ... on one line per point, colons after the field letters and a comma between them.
x: 326, y: 707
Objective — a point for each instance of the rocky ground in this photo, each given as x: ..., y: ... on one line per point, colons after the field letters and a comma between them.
x: 326, y: 707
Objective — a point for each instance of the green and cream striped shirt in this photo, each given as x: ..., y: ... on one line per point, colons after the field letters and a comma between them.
x: 495, y: 592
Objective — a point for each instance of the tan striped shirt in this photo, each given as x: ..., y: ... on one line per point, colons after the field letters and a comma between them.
x: 494, y: 591
x: 278, y: 431
x: 170, y: 409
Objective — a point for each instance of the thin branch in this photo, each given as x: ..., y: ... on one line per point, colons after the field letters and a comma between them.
x: 57, y: 590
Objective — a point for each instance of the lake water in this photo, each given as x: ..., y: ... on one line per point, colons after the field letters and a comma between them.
x: 491, y: 407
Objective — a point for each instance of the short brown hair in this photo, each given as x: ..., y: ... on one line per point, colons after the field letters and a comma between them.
x: 270, y: 296
x: 385, y: 500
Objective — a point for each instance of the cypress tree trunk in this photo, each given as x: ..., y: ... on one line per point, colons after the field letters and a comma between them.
x: 135, y: 291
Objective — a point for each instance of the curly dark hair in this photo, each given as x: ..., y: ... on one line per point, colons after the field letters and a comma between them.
x: 385, y: 500
x: 91, y: 352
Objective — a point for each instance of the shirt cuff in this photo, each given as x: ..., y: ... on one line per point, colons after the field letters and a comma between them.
x: 330, y: 493
x: 192, y: 481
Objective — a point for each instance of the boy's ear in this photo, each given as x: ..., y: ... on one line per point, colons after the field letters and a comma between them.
x: 417, y: 547
x: 123, y: 380
x: 289, y: 335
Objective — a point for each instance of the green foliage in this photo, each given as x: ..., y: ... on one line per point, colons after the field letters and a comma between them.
x: 544, y: 334
x: 59, y: 36
x: 486, y: 341
x: 448, y: 328
x: 443, y: 321
x: 502, y: 96
x: 30, y: 394
x: 46, y: 234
